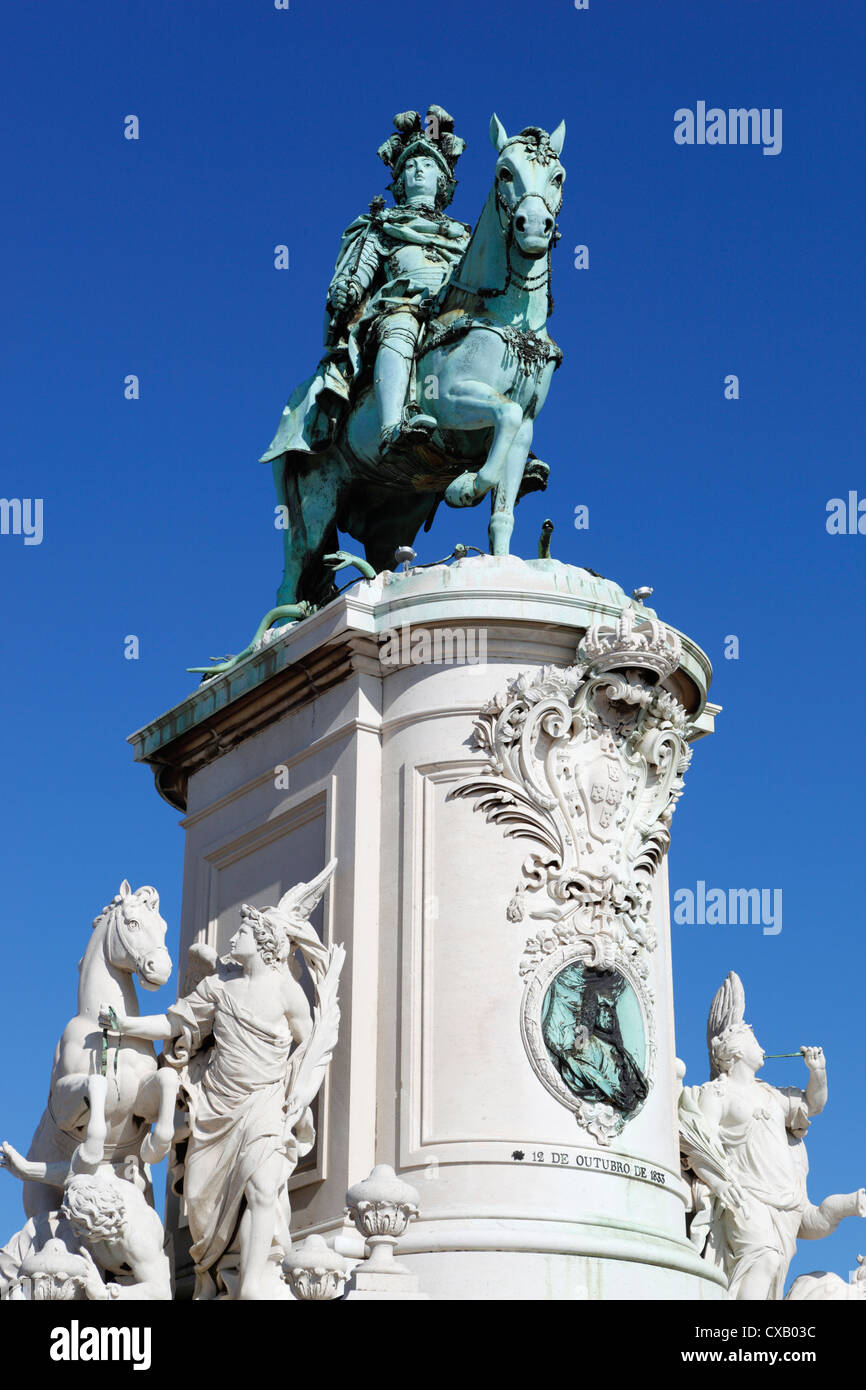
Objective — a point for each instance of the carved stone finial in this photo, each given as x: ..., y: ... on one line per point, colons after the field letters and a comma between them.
x: 315, y: 1272
x: 54, y: 1274
x: 381, y: 1207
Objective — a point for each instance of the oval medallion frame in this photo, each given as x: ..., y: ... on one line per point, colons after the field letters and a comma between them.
x: 599, y: 1118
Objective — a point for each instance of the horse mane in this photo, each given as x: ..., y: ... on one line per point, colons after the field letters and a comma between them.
x: 146, y: 895
x: 529, y: 132
x: 484, y: 263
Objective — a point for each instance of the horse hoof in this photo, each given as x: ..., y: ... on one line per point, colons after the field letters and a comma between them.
x: 461, y: 492
x: 154, y: 1150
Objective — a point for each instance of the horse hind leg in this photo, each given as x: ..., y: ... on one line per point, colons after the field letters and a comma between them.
x: 92, y: 1150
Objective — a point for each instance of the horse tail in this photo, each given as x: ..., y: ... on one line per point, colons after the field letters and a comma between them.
x: 312, y: 491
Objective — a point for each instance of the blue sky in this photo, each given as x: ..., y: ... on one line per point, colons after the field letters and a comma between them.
x: 155, y: 257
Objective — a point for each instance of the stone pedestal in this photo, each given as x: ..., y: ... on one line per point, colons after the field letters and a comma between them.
x: 351, y: 734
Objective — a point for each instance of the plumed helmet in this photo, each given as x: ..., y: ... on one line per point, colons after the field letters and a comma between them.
x: 434, y: 137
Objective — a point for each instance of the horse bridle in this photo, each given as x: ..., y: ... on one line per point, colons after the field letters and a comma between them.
x: 138, y: 957
x: 512, y: 276
x: 510, y: 212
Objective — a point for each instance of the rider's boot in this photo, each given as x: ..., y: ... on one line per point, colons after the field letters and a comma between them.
x: 413, y: 427
x: 400, y: 423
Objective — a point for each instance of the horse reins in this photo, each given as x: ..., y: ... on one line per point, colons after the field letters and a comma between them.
x: 523, y: 282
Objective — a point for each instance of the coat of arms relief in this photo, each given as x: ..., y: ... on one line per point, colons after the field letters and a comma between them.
x: 586, y: 762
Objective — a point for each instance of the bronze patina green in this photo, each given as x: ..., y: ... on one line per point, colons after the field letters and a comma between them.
x: 437, y: 357
x: 592, y: 1029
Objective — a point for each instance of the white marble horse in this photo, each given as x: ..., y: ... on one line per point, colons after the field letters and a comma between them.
x: 105, y: 1098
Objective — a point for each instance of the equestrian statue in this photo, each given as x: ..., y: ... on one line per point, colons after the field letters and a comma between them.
x: 437, y: 359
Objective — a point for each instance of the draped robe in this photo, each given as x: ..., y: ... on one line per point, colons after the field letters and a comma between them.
x: 236, y: 1108
x: 769, y: 1166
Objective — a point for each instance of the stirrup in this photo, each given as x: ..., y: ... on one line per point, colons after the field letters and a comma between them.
x: 414, y: 428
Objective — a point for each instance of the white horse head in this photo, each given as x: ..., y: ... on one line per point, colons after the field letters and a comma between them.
x: 133, y: 935
x: 529, y: 180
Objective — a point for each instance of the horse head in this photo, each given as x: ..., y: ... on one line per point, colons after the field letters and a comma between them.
x: 134, y: 935
x: 528, y: 186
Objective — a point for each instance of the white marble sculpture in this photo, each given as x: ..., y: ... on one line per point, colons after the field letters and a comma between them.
x: 251, y: 1057
x: 743, y: 1150
x: 104, y: 1221
x: 91, y: 1231
x: 106, y: 1097
x: 49, y: 1269
x: 823, y: 1287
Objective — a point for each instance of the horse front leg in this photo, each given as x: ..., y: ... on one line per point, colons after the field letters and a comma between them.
x: 156, y: 1101
x: 79, y: 1100
x: 473, y: 405
x: 504, y: 497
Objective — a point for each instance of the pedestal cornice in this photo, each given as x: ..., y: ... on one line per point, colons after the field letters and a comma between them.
x: 298, y: 663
